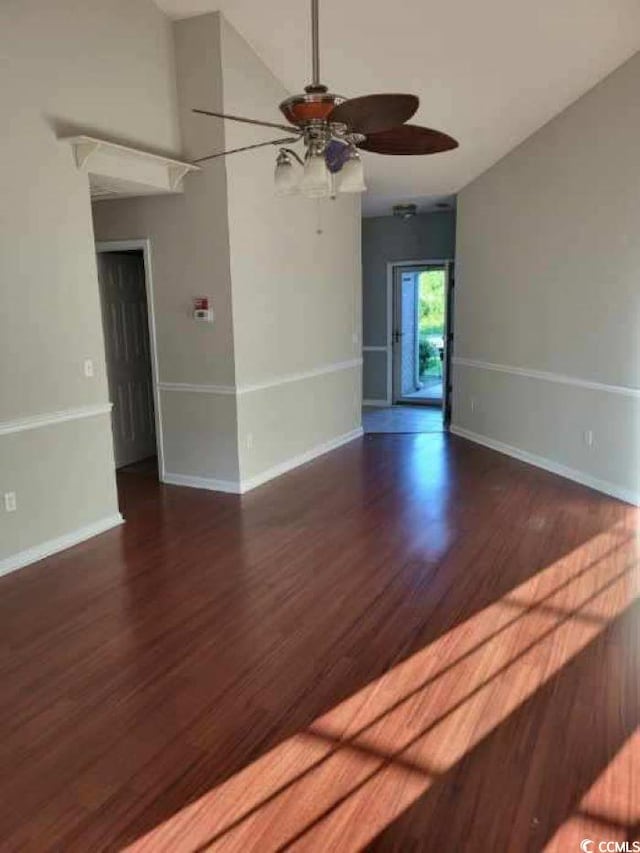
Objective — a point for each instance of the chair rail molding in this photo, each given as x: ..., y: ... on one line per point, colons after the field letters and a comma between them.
x: 249, y: 388
x: 197, y: 388
x: 49, y: 418
x: 547, y: 376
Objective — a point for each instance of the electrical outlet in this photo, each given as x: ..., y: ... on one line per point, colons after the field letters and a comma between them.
x: 10, y: 504
x: 88, y: 368
x: 587, y: 436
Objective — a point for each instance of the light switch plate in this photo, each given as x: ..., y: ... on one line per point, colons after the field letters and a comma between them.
x: 88, y: 368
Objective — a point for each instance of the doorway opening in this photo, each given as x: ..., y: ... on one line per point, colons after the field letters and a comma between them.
x: 421, y: 339
x: 124, y: 277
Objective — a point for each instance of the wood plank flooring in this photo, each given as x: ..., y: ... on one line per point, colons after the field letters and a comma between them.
x: 412, y: 643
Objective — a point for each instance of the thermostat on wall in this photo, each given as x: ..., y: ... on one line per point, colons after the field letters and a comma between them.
x: 202, y: 310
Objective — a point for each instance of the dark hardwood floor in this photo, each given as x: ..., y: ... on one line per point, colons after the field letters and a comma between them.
x: 412, y: 643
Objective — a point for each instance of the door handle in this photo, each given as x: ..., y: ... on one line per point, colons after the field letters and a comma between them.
x: 396, y: 336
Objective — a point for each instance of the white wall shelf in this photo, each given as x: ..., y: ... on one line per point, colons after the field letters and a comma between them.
x: 120, y: 171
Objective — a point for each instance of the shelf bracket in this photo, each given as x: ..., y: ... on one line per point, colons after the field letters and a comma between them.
x: 82, y: 150
x: 176, y: 174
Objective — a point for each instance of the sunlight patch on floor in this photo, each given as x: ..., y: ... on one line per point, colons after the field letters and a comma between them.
x: 607, y: 811
x: 387, y: 743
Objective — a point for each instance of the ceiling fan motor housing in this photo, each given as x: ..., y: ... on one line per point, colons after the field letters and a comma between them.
x: 313, y: 105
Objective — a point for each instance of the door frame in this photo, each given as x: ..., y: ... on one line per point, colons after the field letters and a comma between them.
x: 392, y: 266
x: 144, y: 245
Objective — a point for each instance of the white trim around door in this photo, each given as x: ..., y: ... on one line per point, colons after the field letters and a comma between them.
x: 391, y: 267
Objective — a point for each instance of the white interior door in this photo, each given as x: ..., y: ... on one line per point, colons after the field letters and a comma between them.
x: 123, y: 297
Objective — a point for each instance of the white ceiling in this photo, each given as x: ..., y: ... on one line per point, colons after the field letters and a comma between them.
x: 489, y: 73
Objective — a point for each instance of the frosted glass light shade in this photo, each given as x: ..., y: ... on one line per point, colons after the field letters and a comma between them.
x: 285, y: 177
x: 316, y: 178
x: 352, y: 176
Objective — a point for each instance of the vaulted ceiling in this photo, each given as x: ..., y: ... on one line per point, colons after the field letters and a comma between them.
x: 488, y: 73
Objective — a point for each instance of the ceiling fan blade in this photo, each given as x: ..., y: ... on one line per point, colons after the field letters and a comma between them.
x: 285, y: 141
x: 374, y: 113
x: 408, y: 139
x: 288, y: 127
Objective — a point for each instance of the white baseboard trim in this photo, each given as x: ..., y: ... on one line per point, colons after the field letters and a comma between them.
x: 550, y: 465
x: 239, y: 487
x: 60, y: 543
x: 301, y: 459
x: 383, y: 404
x: 208, y: 483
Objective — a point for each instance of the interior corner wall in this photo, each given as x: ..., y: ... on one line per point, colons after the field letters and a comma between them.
x: 277, y: 377
x: 428, y: 236
x: 189, y: 241
x: 296, y: 285
x: 547, y: 354
x: 106, y: 68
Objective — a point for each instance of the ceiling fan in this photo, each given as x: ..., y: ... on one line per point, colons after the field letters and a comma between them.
x: 332, y: 129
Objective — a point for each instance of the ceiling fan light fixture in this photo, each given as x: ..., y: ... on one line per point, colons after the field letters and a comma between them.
x: 352, y: 175
x: 332, y: 129
x: 405, y: 211
x: 316, y: 177
x: 285, y: 175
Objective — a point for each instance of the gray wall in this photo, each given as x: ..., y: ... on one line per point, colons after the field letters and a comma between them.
x: 430, y: 236
x: 547, y: 357
x: 260, y: 387
x: 189, y: 238
x: 296, y: 292
x: 110, y: 69
x: 107, y: 68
